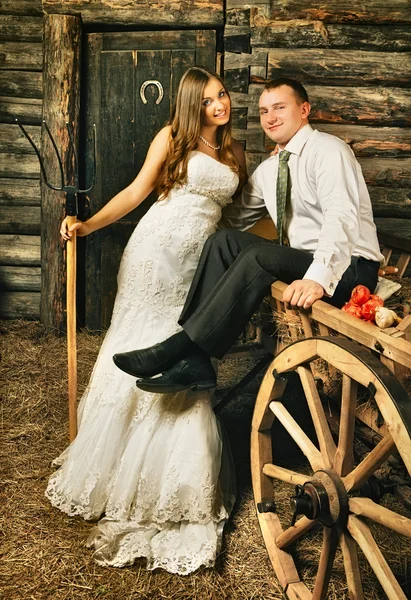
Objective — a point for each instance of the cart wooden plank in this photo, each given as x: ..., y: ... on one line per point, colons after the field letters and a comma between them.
x: 397, y: 349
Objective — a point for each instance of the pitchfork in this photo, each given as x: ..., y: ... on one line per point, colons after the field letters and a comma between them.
x: 72, y: 192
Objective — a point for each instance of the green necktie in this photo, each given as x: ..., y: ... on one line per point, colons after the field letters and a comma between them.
x: 283, y: 192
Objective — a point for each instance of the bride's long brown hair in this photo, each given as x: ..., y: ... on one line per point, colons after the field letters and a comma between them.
x: 185, y: 122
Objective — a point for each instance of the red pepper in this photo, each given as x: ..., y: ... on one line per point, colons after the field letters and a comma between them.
x: 352, y: 309
x: 368, y: 308
x: 360, y: 295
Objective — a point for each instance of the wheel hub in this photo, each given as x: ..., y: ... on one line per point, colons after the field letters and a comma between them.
x: 323, y: 498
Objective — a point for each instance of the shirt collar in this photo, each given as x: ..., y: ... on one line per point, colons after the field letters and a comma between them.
x: 298, y: 141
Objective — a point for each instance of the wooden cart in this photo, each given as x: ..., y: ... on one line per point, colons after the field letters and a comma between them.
x: 367, y: 367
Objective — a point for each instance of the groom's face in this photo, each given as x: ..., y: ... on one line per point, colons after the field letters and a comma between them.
x: 282, y: 114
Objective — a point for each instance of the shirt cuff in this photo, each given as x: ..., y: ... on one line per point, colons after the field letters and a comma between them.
x: 322, y: 275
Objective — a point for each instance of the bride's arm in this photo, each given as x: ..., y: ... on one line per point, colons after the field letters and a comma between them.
x: 131, y: 196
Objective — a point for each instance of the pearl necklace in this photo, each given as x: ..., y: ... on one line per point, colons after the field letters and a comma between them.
x: 208, y: 143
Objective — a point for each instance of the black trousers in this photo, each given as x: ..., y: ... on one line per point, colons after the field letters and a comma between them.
x: 235, y: 272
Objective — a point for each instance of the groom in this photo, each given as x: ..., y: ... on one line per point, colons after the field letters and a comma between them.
x: 315, y: 192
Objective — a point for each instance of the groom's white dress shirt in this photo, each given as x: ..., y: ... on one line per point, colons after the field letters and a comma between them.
x: 330, y: 212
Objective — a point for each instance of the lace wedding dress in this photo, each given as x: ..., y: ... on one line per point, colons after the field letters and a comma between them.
x: 152, y: 465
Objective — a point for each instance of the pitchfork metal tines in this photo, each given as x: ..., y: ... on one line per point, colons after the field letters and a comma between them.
x: 71, y: 191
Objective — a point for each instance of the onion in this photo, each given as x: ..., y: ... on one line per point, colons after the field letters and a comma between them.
x: 384, y: 317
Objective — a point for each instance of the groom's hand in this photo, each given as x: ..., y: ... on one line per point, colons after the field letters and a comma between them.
x: 301, y: 293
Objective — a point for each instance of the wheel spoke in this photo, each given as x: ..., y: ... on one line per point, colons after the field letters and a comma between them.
x: 285, y: 475
x: 367, y: 508
x: 301, y: 439
x: 351, y: 566
x: 325, y: 565
x: 374, y: 459
x: 322, y: 429
x: 362, y: 535
x: 335, y: 473
x: 344, y: 458
x: 293, y: 533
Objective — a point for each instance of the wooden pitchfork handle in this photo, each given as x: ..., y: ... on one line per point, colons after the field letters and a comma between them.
x: 71, y: 265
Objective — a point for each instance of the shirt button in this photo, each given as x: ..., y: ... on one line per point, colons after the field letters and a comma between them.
x: 331, y: 286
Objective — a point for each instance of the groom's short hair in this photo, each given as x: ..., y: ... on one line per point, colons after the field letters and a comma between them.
x: 299, y: 90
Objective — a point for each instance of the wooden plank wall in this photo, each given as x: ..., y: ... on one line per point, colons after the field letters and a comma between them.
x: 354, y: 61
x: 178, y: 14
x: 356, y: 65
x: 21, y: 62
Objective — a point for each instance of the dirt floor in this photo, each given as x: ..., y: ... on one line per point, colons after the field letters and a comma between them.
x: 43, y: 553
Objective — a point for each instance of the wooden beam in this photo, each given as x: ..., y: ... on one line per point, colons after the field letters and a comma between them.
x: 20, y: 305
x: 340, y: 67
x: 20, y: 219
x: 394, y: 172
x: 237, y: 39
x: 372, y: 141
x: 196, y: 13
x: 20, y: 278
x: 62, y: 42
x: 28, y: 111
x: 236, y: 80
x: 205, y: 48
x: 300, y: 33
x: 21, y: 29
x: 239, y: 17
x: 23, y: 192
x: 233, y: 60
x: 363, y: 332
x: 351, y: 105
x: 25, y: 84
x: 12, y: 139
x: 388, y: 142
x: 22, y: 55
x: 22, y: 7
x: 372, y: 12
x: 395, y: 230
x: 391, y: 202
x: 147, y: 40
x: 20, y: 250
x: 19, y: 166
x: 253, y: 138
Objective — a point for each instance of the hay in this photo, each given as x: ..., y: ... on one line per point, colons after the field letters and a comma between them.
x: 43, y: 554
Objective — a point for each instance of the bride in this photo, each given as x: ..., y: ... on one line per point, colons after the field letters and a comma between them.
x: 151, y: 466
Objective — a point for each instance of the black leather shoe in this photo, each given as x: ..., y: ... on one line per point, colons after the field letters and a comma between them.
x: 144, y: 363
x: 194, y: 372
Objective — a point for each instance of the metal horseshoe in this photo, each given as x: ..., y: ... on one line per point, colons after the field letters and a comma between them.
x: 151, y: 82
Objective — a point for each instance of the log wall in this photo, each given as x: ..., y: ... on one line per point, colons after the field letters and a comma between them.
x: 355, y: 62
x: 170, y: 13
x: 353, y: 59
x: 21, y: 63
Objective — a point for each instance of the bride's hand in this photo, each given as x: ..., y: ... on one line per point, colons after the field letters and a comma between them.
x: 81, y: 228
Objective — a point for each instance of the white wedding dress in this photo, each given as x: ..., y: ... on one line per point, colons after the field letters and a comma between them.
x: 152, y: 465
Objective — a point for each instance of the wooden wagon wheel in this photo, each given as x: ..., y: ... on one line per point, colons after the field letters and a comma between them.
x: 335, y: 495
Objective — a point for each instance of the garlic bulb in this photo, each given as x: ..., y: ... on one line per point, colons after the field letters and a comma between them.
x: 384, y: 317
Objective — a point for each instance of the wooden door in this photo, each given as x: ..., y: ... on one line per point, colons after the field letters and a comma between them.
x: 128, y: 112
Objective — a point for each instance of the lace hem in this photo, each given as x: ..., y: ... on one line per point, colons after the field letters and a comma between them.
x: 179, y: 549
x: 148, y: 507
